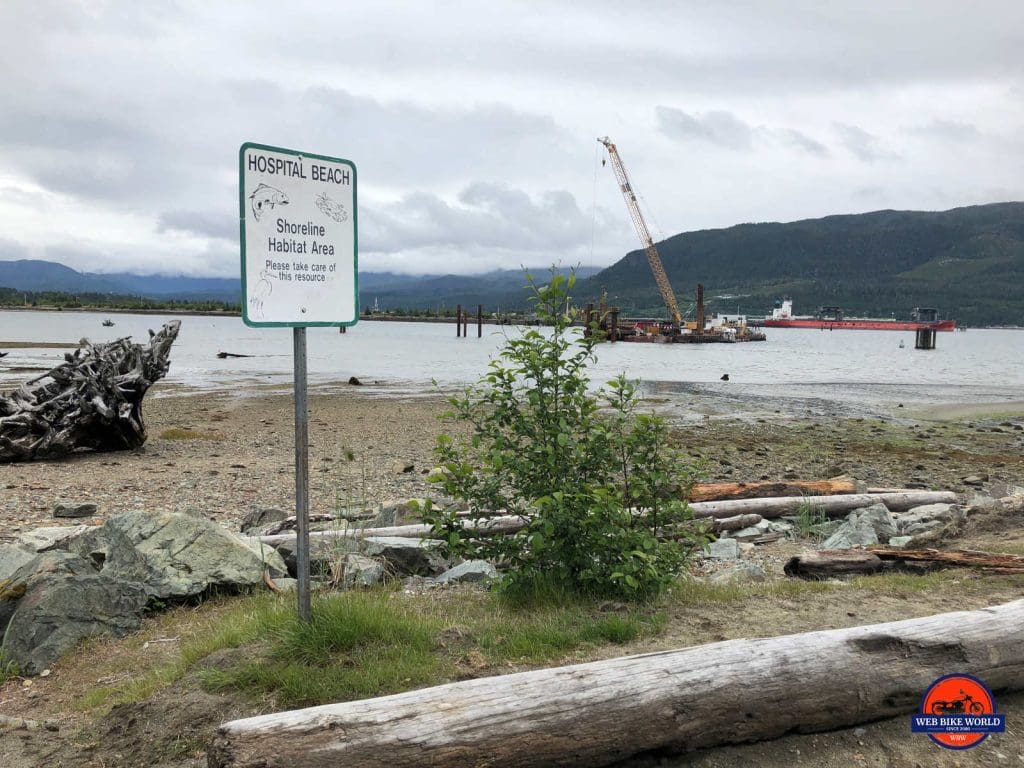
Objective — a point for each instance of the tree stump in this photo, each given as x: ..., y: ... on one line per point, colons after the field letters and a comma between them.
x: 91, y: 401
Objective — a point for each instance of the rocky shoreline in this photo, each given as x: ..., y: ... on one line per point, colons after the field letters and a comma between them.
x: 223, y: 454
x: 219, y: 464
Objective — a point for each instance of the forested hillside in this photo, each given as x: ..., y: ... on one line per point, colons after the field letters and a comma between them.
x: 968, y: 262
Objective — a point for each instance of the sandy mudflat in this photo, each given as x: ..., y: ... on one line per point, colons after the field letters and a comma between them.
x: 37, y: 345
x: 958, y: 411
x: 221, y: 453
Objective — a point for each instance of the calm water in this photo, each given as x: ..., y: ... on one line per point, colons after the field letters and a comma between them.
x: 854, y: 367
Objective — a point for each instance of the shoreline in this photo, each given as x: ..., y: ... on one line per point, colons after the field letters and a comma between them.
x: 222, y: 453
x: 470, y: 321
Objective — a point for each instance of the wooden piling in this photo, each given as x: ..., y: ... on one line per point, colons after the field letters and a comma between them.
x: 458, y: 321
x: 479, y: 320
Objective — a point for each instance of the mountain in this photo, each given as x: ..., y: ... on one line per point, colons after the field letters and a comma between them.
x: 176, y: 287
x: 36, y: 275
x: 499, y: 288
x: 968, y: 262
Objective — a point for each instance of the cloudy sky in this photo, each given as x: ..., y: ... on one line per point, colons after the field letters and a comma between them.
x: 473, y: 125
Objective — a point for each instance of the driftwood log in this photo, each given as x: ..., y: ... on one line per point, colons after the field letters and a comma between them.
x: 93, y: 400
x: 762, y: 490
x: 716, y: 510
x: 844, y: 562
x: 830, y: 505
x: 599, y: 713
x: 829, y: 563
x: 993, y: 562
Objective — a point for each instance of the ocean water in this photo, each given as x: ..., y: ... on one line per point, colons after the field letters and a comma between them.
x: 859, y: 368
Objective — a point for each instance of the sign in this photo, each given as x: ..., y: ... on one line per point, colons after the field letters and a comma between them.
x: 298, y: 238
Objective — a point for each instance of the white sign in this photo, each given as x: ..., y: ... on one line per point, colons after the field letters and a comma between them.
x: 298, y: 238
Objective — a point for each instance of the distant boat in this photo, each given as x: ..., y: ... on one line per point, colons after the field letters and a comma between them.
x: 831, y: 318
x: 107, y: 323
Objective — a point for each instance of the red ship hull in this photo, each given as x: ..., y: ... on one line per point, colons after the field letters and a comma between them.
x: 858, y: 325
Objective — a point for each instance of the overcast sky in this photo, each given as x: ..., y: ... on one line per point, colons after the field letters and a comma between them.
x: 473, y: 125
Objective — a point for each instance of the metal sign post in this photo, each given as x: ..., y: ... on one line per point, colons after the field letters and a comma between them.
x: 297, y: 214
x: 301, y: 474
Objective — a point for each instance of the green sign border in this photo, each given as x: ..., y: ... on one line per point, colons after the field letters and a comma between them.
x: 241, y: 232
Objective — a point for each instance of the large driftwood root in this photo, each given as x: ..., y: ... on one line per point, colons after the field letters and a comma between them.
x: 91, y: 401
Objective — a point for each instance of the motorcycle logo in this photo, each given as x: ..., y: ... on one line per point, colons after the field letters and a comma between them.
x: 958, y: 712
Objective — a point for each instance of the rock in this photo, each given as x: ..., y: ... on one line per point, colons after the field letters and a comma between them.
x: 325, y: 553
x: 980, y: 502
x: 54, y: 600
x: 358, y: 571
x: 928, y: 517
x: 879, y: 518
x: 74, y: 510
x: 863, y: 527
x: 723, y: 549
x: 739, y: 574
x: 471, y: 571
x: 260, y: 517
x: 900, y: 541
x: 407, y: 557
x: 401, y: 467
x: 13, y: 557
x: 354, y: 381
x: 286, y: 584
x: 57, y: 537
x: 386, y: 517
x: 418, y: 584
x: 175, y: 555
x: 745, y: 534
x: 54, y: 563
x: 975, y: 480
x: 391, y: 512
x: 58, y: 611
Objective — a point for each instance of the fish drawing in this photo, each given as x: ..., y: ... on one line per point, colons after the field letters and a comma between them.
x: 332, y: 208
x: 264, y: 197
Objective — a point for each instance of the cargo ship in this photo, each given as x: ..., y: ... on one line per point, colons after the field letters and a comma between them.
x: 831, y: 318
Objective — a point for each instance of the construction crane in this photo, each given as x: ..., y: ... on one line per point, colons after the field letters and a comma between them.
x: 667, y: 295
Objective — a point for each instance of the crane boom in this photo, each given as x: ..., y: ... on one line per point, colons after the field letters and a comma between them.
x: 667, y: 294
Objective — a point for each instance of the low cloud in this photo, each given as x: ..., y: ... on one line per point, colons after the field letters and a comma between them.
x: 717, y: 127
x: 863, y: 145
x: 948, y: 130
x: 726, y: 130
x: 802, y: 141
x: 486, y: 226
x: 221, y: 226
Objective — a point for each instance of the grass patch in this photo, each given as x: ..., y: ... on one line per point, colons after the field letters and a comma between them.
x: 374, y: 642
x: 1008, y: 548
x: 691, y: 592
x: 810, y: 520
x: 904, y: 583
x: 219, y: 629
x: 8, y: 668
x: 179, y: 433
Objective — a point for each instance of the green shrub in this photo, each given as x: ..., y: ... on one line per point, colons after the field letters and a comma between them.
x: 600, y: 485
